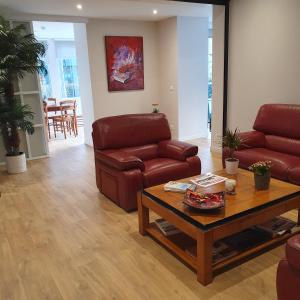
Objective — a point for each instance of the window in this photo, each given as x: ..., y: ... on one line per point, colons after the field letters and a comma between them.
x: 45, y: 84
x: 69, y: 78
x: 209, y: 80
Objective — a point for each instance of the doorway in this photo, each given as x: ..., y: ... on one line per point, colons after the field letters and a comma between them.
x: 60, y: 85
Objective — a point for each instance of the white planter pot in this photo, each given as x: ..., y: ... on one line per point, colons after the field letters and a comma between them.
x: 231, y: 166
x: 16, y: 164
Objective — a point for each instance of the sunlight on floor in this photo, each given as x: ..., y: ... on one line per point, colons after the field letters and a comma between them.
x: 60, y: 144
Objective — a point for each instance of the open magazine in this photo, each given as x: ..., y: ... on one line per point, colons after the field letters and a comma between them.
x: 208, y: 179
x: 180, y: 187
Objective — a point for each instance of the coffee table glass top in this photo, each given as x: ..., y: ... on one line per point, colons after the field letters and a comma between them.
x: 246, y: 200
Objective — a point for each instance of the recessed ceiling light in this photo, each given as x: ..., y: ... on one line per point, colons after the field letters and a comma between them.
x: 155, y: 11
x: 79, y: 6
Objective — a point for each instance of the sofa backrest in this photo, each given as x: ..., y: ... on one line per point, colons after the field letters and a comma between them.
x: 279, y: 119
x: 283, y: 144
x: 130, y: 130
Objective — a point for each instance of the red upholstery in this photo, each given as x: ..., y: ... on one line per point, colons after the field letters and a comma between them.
x: 281, y: 162
x: 279, y: 119
x: 126, y: 131
x: 283, y: 144
x: 176, y: 150
x: 294, y: 175
x: 135, y: 151
x: 276, y: 138
x: 288, y: 272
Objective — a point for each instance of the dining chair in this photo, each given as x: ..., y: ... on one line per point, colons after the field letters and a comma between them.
x: 48, y: 118
x: 53, y: 101
x: 67, y: 120
x: 70, y: 106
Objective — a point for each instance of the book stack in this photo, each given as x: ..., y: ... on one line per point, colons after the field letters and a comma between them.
x: 277, y: 226
x: 208, y: 180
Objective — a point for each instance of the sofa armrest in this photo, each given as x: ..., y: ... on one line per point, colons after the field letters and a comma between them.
x: 252, y: 139
x: 119, y: 160
x: 176, y: 150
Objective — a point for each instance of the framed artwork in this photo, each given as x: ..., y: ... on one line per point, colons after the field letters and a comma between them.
x: 125, y: 63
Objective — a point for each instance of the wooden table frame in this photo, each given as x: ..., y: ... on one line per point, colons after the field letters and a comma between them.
x: 205, y: 236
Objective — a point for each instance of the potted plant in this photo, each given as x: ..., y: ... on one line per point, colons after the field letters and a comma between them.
x: 262, y: 174
x: 232, y: 141
x: 20, y: 53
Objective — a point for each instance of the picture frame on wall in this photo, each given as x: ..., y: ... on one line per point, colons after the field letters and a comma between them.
x: 125, y: 63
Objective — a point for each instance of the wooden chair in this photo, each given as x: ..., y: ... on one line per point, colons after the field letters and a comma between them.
x: 48, y: 118
x: 67, y: 120
x: 53, y: 101
x: 71, y: 106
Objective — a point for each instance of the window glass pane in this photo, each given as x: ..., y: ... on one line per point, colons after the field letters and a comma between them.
x: 69, y: 76
x: 45, y: 83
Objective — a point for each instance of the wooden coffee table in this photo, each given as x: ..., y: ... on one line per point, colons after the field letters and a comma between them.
x: 200, y: 230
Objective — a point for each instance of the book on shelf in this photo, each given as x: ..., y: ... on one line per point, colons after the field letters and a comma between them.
x: 180, y: 187
x: 166, y: 228
x: 277, y: 226
x: 234, y: 244
x: 207, y: 180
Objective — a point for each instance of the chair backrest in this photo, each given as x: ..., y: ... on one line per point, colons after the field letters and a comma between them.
x: 68, y: 102
x: 130, y: 130
x: 68, y: 106
x: 53, y: 101
x: 279, y: 119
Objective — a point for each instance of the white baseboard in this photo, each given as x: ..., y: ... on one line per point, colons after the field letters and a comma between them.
x: 192, y: 137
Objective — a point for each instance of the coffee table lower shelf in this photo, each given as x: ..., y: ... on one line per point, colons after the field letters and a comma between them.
x: 183, y: 246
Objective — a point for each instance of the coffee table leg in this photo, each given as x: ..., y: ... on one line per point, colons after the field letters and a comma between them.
x: 143, y: 213
x: 204, y: 257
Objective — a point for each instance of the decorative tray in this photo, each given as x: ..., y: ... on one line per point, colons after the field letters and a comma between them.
x: 204, y: 201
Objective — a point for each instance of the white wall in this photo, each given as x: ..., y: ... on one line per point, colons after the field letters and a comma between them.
x: 217, y: 77
x: 114, y: 103
x: 84, y: 80
x: 192, y: 77
x: 168, y: 70
x: 264, y: 57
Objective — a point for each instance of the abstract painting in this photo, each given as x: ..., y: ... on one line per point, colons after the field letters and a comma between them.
x: 125, y: 63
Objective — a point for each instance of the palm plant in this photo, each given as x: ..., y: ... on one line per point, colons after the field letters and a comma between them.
x: 20, y: 53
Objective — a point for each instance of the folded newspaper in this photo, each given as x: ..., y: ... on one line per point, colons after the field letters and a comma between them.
x: 208, y: 180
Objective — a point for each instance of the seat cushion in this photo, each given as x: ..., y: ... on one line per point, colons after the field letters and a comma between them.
x: 281, y: 162
x: 161, y: 170
x: 294, y: 175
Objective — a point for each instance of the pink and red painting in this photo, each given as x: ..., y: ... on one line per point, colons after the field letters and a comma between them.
x: 125, y: 63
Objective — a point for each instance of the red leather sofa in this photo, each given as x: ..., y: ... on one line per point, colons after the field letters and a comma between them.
x: 288, y: 272
x: 276, y: 137
x: 136, y: 151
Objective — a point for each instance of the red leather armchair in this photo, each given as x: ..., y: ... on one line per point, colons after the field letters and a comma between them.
x: 136, y: 151
x: 276, y: 137
x: 288, y: 272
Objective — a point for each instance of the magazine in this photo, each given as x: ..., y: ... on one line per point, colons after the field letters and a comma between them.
x: 277, y: 226
x: 208, y: 180
x: 166, y: 228
x: 180, y: 187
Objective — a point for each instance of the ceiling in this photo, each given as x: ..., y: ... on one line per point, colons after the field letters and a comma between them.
x: 110, y: 9
x: 53, y: 30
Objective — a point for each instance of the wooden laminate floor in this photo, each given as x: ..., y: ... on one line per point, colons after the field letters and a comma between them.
x: 61, y: 239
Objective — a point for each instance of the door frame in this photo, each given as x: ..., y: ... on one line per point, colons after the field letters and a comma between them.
x: 226, y: 5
